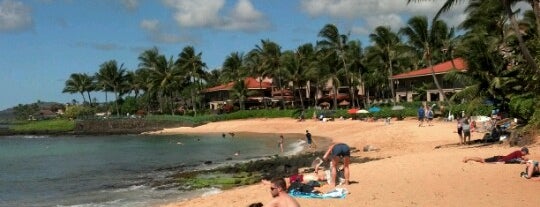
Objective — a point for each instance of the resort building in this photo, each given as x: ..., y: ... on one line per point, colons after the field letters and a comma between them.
x: 218, y: 97
x: 264, y: 92
x: 406, y: 82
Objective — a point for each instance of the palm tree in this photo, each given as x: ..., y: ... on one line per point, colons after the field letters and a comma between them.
x: 387, y: 45
x: 214, y: 77
x: 233, y: 68
x: 240, y: 92
x: 427, y: 40
x: 355, y: 55
x: 268, y: 54
x: 79, y: 83
x: 164, y: 77
x: 334, y: 46
x: 299, y: 67
x: 511, y: 15
x: 193, y: 67
x: 112, y: 76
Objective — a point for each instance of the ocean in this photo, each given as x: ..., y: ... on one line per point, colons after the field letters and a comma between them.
x: 120, y: 170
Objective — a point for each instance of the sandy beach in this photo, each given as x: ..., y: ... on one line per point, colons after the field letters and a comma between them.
x: 413, y: 172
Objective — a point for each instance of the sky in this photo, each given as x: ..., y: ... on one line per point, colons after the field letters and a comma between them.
x: 42, y: 42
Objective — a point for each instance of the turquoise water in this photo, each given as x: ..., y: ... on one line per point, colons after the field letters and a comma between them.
x: 117, y: 170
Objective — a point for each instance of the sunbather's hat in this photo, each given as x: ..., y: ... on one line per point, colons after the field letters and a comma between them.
x: 525, y: 150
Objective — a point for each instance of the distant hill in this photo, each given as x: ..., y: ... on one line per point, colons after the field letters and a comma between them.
x: 9, y: 115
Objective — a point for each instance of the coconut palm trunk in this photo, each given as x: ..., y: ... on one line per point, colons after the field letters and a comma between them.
x: 435, y: 80
x: 524, y: 50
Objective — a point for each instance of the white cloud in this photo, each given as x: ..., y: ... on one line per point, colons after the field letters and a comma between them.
x: 14, y: 16
x: 156, y: 33
x: 150, y: 25
x: 130, y: 4
x: 196, y: 13
x: 245, y: 17
x: 99, y: 46
x: 209, y: 14
x: 373, y: 13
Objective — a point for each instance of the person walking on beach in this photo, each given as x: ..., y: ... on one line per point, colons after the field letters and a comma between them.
x: 278, y: 190
x: 280, y: 142
x: 466, y: 127
x: 421, y: 113
x: 514, y: 157
x: 308, y: 138
x: 429, y: 115
x: 334, y: 153
x: 460, y: 130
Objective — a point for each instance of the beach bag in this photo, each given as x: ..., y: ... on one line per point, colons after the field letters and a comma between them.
x: 300, y: 187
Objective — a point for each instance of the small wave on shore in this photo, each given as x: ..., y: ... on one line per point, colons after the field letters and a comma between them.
x: 296, y: 147
x: 34, y: 136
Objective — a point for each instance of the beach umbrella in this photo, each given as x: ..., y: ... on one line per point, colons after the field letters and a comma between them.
x: 325, y: 104
x: 374, y: 109
x: 362, y: 111
x: 397, y: 107
x: 352, y: 111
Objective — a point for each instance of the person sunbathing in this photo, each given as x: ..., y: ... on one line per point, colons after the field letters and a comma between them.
x: 514, y: 157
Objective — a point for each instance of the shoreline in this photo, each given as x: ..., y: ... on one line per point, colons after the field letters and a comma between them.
x: 413, y: 173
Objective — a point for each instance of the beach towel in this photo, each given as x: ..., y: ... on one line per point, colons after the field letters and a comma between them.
x: 335, y: 193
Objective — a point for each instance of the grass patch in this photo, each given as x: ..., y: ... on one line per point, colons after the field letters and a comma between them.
x: 52, y: 125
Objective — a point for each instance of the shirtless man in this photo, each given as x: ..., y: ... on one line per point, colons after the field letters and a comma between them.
x: 278, y: 189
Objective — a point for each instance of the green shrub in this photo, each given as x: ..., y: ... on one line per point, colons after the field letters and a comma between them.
x: 51, y: 125
x: 523, y: 105
x: 79, y: 111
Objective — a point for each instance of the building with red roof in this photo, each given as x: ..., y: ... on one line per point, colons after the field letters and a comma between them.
x: 219, y: 96
x: 406, y: 82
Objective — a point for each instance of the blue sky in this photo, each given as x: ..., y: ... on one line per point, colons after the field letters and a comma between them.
x: 42, y: 42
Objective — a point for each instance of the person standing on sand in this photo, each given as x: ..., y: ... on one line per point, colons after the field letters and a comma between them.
x: 334, y: 152
x: 429, y: 115
x: 278, y: 190
x: 466, y: 131
x: 280, y: 142
x: 460, y: 130
x: 421, y: 113
x: 308, y: 138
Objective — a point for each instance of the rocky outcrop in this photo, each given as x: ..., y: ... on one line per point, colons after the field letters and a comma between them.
x: 123, y: 126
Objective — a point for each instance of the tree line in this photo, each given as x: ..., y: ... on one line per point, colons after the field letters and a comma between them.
x: 501, y: 52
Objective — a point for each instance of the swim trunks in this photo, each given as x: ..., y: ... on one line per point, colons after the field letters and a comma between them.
x: 341, y: 150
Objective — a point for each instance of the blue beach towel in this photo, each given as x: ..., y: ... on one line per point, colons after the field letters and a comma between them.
x: 336, y: 193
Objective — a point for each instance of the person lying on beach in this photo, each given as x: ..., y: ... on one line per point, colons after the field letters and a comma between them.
x: 280, y: 198
x: 334, y: 153
x: 300, y: 177
x: 531, y: 170
x: 514, y: 157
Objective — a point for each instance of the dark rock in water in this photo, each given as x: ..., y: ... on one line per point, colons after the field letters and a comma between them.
x: 229, y: 158
x: 207, y: 162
